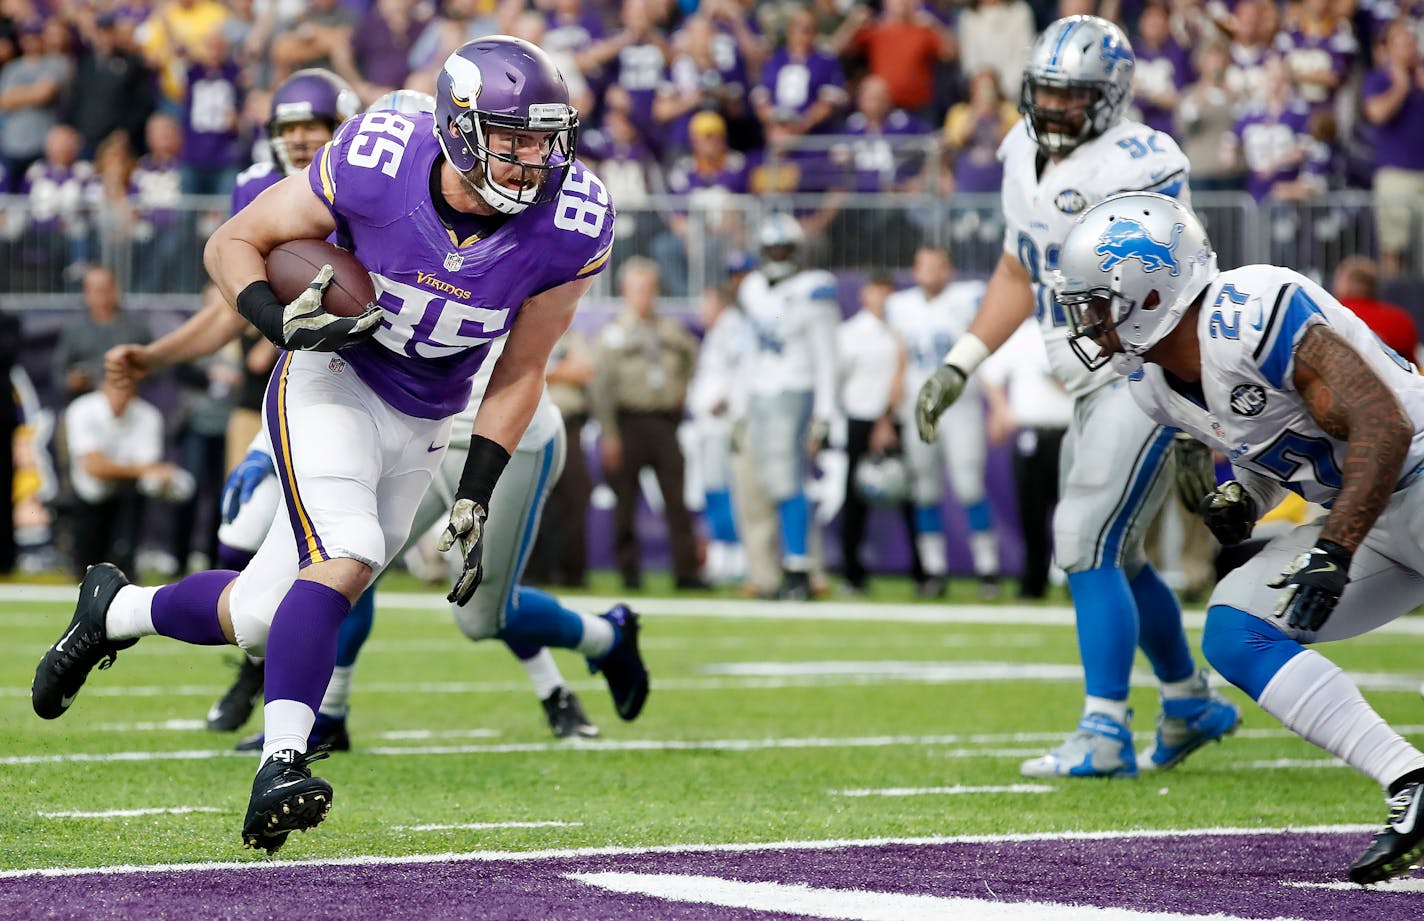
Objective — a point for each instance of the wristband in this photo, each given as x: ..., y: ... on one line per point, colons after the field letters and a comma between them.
x: 259, y: 305
x: 1336, y: 551
x: 483, y: 465
x: 967, y: 354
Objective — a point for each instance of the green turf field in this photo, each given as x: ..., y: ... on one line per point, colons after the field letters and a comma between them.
x: 774, y: 723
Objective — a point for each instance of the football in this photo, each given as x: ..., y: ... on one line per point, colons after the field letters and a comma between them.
x: 292, y: 266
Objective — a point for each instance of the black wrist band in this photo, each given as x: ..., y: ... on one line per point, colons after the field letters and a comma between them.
x: 483, y: 465
x: 260, y: 306
x: 1335, y: 550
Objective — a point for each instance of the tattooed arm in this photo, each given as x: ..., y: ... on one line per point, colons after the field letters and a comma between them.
x: 1352, y: 403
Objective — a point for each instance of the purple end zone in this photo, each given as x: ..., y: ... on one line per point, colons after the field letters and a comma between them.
x: 1240, y: 876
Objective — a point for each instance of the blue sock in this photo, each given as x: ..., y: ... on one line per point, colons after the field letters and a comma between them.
x: 719, y: 516
x: 795, y: 524
x: 187, y: 610
x: 355, y: 628
x: 929, y: 519
x: 536, y: 618
x: 1159, y: 617
x: 981, y: 518
x: 1245, y: 650
x: 1107, y: 630
x: 301, y: 647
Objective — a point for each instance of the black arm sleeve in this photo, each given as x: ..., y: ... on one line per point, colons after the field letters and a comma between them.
x: 483, y: 465
x: 260, y: 306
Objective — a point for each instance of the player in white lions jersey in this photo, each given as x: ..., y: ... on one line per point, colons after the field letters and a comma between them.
x: 1263, y: 365
x: 930, y: 317
x: 790, y: 377
x: 1074, y: 148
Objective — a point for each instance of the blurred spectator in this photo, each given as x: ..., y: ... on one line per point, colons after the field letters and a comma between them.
x: 211, y: 145
x: 1319, y: 47
x: 871, y: 370
x: 711, y: 395
x: 996, y: 35
x: 1029, y: 405
x: 531, y: 26
x: 973, y: 131
x: 201, y: 424
x: 711, y: 177
x: 1252, y: 30
x: 1205, y: 121
x: 577, y: 31
x: 645, y: 363
x: 801, y: 88
x: 258, y: 357
x: 636, y: 69
x: 903, y: 46
x: 1356, y: 285
x: 1394, y: 104
x: 631, y: 174
x: 57, y: 190
x: 316, y: 36
x: 118, y: 87
x: 458, y: 22
x: 111, y: 203
x: 115, y: 444
x: 561, y: 555
x: 168, y: 251
x: 378, y: 58
x: 78, y: 362
x: 10, y: 344
x: 173, y: 34
x: 1273, y: 139
x: 706, y: 75
x: 1163, y: 68
x: 30, y: 89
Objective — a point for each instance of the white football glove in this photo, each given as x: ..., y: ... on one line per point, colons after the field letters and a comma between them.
x: 306, y: 326
x: 467, y: 527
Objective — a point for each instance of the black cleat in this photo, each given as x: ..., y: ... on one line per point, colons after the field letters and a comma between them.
x: 795, y: 586
x: 85, y: 644
x: 1399, y: 846
x: 932, y: 587
x: 235, y: 706
x: 328, y: 734
x: 623, y: 666
x: 566, y: 717
x: 285, y: 798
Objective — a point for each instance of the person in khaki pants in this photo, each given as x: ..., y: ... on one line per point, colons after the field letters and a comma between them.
x: 645, y: 363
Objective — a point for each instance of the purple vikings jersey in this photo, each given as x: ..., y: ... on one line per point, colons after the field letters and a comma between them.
x: 447, y: 301
x: 1305, y: 53
x: 251, y: 182
x: 1266, y: 138
x: 210, y: 137
x: 793, y: 85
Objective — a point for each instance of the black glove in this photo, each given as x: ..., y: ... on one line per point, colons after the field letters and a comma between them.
x: 1313, y: 583
x: 467, y: 526
x: 1229, y: 512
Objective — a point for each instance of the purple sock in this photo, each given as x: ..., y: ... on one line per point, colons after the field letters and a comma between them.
x: 188, y: 610
x: 233, y: 558
x: 301, y: 648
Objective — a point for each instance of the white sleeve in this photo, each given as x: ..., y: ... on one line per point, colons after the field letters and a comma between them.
x: 824, y: 318
x: 147, y: 435
x: 81, y: 429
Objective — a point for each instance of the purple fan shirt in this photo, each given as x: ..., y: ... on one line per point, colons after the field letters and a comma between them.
x: 685, y: 75
x: 1305, y: 53
x: 446, y: 300
x: 639, y: 69
x: 158, y: 190
x: 213, y: 101
x: 1158, y: 70
x: 878, y: 157
x: 792, y: 85
x: 251, y: 182
x: 1265, y: 137
x: 1399, y: 142
x: 57, y: 196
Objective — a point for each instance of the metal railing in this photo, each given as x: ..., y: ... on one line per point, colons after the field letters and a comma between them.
x: 158, y: 256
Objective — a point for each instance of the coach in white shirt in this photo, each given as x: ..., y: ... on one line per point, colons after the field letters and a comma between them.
x: 871, y: 376
x: 115, y: 444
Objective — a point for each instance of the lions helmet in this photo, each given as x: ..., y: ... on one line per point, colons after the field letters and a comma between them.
x: 1083, y: 58
x: 502, y: 82
x: 407, y: 102
x: 780, y: 238
x: 311, y: 95
x: 1132, y: 264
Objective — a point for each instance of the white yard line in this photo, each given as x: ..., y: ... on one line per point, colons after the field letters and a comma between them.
x: 751, y: 847
x: 482, y: 826
x: 126, y: 813
x: 947, y: 791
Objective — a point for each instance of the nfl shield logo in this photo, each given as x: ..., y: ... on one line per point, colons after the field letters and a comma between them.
x: 453, y: 261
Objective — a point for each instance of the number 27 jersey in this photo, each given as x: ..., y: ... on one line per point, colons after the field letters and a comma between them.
x: 446, y: 300
x: 1040, y: 208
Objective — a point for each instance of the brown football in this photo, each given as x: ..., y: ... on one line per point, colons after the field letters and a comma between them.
x: 292, y: 266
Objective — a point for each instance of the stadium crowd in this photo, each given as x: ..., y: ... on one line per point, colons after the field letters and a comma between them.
x: 112, y: 111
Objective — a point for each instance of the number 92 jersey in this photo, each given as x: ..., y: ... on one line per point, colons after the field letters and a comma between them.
x: 1251, y: 323
x: 446, y: 299
x: 1039, y: 210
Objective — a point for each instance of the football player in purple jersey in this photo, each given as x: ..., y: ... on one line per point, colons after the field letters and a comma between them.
x: 480, y: 229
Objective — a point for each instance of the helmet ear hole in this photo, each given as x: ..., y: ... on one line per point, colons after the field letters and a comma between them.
x: 1152, y: 301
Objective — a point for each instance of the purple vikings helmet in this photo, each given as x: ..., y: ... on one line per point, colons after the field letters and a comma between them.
x: 502, y: 82
x: 308, y: 95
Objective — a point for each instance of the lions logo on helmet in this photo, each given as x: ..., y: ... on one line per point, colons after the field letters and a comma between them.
x: 1111, y: 282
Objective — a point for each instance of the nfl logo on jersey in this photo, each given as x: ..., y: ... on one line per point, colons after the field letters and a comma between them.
x: 453, y: 261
